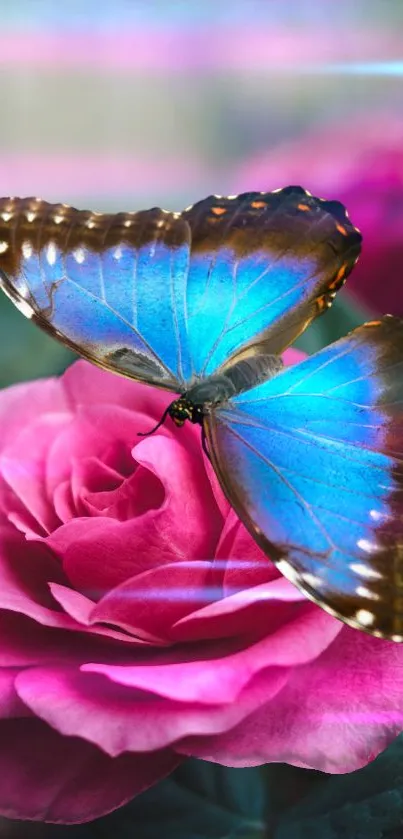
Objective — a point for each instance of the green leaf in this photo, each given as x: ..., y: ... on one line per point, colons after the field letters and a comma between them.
x: 199, y: 801
x: 366, y: 804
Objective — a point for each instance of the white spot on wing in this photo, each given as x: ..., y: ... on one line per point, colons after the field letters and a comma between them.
x: 367, y: 546
x: 396, y: 638
x: 285, y: 568
x: 376, y: 515
x: 30, y: 216
x: 3, y: 247
x: 365, y: 571
x: 364, y: 617
x: 57, y: 219
x: 362, y: 591
x: 79, y: 255
x: 51, y: 253
x: 6, y: 216
x: 118, y: 253
x: 312, y: 580
x: 27, y: 250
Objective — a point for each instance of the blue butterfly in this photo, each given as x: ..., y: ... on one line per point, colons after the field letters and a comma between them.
x: 202, y: 303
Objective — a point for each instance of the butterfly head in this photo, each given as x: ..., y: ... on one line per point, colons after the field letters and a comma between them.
x: 183, y: 409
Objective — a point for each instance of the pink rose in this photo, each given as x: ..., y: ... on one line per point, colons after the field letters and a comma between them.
x: 140, y: 623
x: 359, y: 162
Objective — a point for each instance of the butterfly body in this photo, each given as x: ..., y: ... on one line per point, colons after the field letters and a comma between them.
x: 202, y: 303
x: 203, y: 396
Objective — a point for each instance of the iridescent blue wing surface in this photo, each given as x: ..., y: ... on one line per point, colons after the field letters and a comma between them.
x: 170, y: 298
x: 263, y: 265
x: 110, y: 286
x: 312, y: 461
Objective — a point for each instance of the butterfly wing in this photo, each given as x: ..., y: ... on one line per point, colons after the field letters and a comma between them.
x: 312, y: 461
x: 110, y: 286
x: 263, y: 265
x: 167, y: 297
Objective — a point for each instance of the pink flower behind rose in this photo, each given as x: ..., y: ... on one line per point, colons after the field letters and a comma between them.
x: 360, y: 163
x: 140, y: 623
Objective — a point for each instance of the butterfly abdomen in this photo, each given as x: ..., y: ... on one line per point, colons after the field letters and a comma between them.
x: 240, y: 376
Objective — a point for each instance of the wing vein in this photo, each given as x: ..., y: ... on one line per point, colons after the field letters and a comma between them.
x: 290, y: 486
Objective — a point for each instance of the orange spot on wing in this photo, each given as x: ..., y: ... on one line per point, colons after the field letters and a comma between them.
x: 321, y: 303
x: 303, y: 207
x: 218, y: 211
x: 339, y: 276
x: 373, y: 323
x: 258, y: 205
x: 341, y: 229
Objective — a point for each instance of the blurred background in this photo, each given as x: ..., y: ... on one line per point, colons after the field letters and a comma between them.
x: 134, y: 103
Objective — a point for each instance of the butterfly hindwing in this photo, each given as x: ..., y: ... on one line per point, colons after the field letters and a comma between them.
x: 312, y: 461
x: 170, y: 298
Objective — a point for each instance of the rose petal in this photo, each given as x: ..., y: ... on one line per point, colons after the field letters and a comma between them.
x: 22, y: 465
x: 25, y: 642
x: 47, y: 777
x: 24, y: 576
x: 332, y: 714
x: 255, y: 612
x: 119, y: 720
x: 158, y: 598
x: 292, y: 356
x: 100, y: 553
x: 10, y: 703
x: 218, y: 675
x: 247, y: 566
x: 90, y: 432
x: 63, y: 501
x: 80, y: 608
x: 20, y: 403
x: 85, y: 384
x: 75, y: 604
x: 132, y: 497
x: 191, y: 522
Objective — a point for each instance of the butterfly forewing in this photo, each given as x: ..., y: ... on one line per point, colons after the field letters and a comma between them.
x: 312, y: 461
x: 263, y: 265
x: 111, y: 286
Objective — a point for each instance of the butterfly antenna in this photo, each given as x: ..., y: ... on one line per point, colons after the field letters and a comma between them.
x: 161, y: 422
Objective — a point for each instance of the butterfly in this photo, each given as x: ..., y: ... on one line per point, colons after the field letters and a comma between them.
x: 202, y: 303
